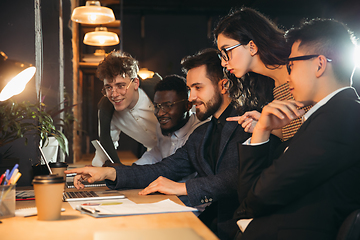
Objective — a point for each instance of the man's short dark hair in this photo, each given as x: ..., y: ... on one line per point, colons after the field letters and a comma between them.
x: 117, y: 63
x: 209, y: 58
x: 173, y: 83
x: 330, y: 38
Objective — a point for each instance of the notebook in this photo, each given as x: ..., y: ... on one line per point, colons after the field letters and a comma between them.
x: 84, y: 195
x: 28, y: 212
x: 70, y: 182
x: 104, y: 155
x: 25, y: 195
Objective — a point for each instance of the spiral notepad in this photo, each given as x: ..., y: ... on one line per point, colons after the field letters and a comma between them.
x: 28, y: 212
x: 86, y: 184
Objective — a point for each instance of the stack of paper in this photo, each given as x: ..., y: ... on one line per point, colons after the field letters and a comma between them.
x: 109, y: 210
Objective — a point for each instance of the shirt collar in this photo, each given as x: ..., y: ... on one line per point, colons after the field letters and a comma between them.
x: 184, y: 130
x: 321, y: 103
x: 143, y: 101
x: 225, y: 114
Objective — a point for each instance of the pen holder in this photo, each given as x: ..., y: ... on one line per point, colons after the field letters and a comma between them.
x: 7, y: 201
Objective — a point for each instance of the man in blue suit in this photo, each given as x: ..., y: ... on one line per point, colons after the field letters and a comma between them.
x: 211, y: 151
x: 311, y: 187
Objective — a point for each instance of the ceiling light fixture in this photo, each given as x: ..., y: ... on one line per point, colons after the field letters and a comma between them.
x: 145, y: 73
x: 93, y: 13
x: 101, y: 37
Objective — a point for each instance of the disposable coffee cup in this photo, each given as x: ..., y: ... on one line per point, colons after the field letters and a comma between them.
x: 48, y: 196
x: 59, y: 168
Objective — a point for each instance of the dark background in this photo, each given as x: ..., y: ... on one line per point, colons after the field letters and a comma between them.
x: 172, y: 30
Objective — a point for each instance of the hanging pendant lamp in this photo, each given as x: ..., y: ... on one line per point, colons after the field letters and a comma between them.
x: 145, y: 73
x: 101, y: 37
x: 93, y: 13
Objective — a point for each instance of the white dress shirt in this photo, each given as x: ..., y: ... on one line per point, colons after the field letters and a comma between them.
x: 321, y: 103
x: 167, y: 145
x: 138, y: 123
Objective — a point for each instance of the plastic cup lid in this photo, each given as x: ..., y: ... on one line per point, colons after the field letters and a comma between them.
x: 48, y: 179
x: 58, y: 165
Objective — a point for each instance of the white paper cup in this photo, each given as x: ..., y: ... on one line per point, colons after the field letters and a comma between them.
x: 48, y: 196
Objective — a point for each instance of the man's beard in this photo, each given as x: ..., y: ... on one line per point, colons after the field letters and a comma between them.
x: 212, y: 106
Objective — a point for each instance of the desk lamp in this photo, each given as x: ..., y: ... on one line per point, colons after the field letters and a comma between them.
x: 19, y: 74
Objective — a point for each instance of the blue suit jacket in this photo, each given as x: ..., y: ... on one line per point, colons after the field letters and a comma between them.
x: 220, y: 186
x: 308, y: 191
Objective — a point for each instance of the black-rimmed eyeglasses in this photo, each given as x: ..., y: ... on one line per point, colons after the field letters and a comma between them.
x: 300, y: 58
x: 119, y: 88
x: 166, y: 106
x: 223, y: 53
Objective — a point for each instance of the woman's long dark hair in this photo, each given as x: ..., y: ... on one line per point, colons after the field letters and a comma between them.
x: 248, y: 24
x: 251, y: 92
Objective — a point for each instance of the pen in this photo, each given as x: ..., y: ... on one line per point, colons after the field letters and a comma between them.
x: 16, y: 171
x: 6, y: 176
x: 2, y: 178
x: 15, y: 179
x: 12, y: 171
x: 89, y: 210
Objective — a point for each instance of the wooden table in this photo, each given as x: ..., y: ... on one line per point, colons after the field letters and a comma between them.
x: 77, y: 226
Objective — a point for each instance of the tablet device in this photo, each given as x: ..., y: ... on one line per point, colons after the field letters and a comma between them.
x: 101, y: 151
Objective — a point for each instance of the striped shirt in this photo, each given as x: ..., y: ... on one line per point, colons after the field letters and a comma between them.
x: 282, y: 93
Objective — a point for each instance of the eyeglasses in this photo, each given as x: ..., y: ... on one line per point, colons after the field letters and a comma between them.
x: 300, y: 58
x: 119, y: 88
x: 223, y: 53
x: 166, y: 106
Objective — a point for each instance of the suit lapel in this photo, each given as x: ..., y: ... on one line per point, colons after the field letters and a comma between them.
x: 347, y: 93
x: 204, y: 163
x: 228, y: 130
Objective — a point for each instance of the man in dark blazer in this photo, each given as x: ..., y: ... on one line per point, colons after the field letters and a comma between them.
x: 210, y: 150
x: 311, y: 187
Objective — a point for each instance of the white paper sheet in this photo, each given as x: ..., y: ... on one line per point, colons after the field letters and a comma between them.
x: 165, y: 206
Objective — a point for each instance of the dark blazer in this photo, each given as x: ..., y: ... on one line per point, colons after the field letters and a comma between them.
x: 308, y: 191
x: 208, y: 186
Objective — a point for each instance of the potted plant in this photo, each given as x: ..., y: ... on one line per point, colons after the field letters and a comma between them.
x: 17, y: 119
x: 63, y: 119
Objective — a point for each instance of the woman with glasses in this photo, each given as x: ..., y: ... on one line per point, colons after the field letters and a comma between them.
x: 248, y: 43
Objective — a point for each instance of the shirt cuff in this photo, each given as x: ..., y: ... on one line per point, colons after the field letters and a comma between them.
x: 248, y: 142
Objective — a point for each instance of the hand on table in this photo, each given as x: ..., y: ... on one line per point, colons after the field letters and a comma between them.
x: 165, y: 186
x: 91, y: 174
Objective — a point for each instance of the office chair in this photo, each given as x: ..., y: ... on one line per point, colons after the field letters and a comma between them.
x: 350, y: 228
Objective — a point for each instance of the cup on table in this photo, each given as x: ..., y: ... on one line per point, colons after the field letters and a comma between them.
x: 7, y: 201
x: 48, y: 196
x: 59, y: 168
